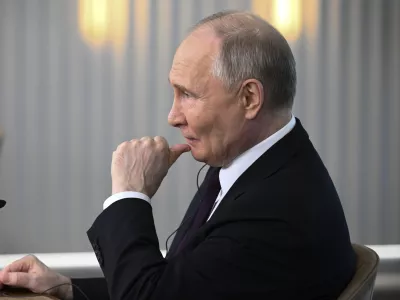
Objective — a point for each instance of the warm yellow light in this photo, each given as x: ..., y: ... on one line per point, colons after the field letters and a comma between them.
x: 104, y: 21
x: 287, y: 18
x: 287, y: 15
x: 311, y: 9
x: 141, y: 20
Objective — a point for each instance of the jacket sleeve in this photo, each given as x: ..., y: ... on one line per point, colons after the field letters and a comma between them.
x: 223, y: 266
x: 93, y: 288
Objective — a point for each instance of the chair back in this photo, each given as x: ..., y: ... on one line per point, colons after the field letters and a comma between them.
x: 361, y: 286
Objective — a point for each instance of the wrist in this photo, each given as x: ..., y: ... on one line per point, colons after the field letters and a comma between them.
x: 121, y: 189
x: 117, y: 190
x: 65, y: 291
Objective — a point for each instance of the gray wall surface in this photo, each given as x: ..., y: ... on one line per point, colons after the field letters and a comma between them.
x: 65, y: 105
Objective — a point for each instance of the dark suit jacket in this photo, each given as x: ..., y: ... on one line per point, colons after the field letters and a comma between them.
x: 279, y: 233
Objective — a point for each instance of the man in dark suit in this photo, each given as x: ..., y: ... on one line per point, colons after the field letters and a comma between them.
x: 266, y: 223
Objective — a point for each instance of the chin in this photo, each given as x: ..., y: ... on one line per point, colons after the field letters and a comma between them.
x: 202, y: 157
x: 198, y: 156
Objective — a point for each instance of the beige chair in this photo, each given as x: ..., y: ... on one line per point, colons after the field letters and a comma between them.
x: 361, y: 287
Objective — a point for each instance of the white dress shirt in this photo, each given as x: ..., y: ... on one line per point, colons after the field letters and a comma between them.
x: 228, y: 175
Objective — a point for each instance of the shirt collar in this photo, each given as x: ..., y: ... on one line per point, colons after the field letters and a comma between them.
x: 228, y: 175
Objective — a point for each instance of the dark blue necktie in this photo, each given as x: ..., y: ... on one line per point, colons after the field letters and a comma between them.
x: 208, y: 195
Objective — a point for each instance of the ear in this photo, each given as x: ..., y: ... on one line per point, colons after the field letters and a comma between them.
x: 252, y: 97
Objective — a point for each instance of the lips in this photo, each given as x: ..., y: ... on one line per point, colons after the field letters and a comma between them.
x: 188, y: 136
x: 190, y: 140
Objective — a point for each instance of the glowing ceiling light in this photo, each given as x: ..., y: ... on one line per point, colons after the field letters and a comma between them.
x: 287, y: 15
x: 287, y: 18
x: 104, y: 22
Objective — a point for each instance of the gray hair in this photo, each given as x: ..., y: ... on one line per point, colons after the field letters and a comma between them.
x: 253, y: 49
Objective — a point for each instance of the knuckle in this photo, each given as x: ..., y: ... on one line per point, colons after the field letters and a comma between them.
x: 31, y: 257
x: 134, y: 144
x: 160, y: 138
x: 123, y: 145
x: 161, y: 141
x: 145, y: 138
x: 147, y: 142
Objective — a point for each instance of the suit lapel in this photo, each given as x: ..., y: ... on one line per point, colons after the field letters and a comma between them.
x: 190, y: 213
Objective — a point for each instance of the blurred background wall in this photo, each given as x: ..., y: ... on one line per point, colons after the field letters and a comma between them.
x: 77, y: 77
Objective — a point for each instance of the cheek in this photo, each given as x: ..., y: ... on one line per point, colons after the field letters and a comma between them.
x: 205, y: 129
x: 228, y: 130
x: 212, y: 135
x: 212, y: 126
x: 199, y: 120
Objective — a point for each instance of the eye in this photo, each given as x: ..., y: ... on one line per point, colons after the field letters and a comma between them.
x: 185, y: 94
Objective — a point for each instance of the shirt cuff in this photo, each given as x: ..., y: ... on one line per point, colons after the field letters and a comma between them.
x: 123, y: 195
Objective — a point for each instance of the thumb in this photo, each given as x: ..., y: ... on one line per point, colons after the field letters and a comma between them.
x: 176, y: 151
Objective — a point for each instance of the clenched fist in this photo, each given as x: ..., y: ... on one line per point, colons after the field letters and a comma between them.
x: 30, y: 273
x: 141, y: 165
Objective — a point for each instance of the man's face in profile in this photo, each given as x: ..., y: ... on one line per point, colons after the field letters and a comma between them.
x: 209, y: 116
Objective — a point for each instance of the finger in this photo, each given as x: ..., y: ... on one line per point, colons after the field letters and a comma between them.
x: 161, y: 141
x: 18, y: 279
x: 20, y: 265
x: 122, y: 146
x: 176, y: 151
x: 145, y: 138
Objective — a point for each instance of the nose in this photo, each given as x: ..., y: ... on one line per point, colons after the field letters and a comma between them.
x: 176, y: 116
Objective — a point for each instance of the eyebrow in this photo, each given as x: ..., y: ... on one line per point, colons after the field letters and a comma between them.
x: 182, y: 88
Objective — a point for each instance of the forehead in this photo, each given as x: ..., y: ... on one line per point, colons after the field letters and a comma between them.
x: 194, y: 57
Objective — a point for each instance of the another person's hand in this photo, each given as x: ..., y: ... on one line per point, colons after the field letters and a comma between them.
x: 141, y: 165
x: 30, y: 273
